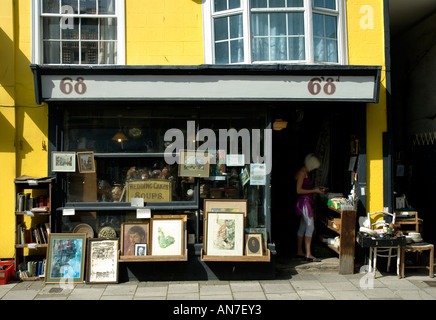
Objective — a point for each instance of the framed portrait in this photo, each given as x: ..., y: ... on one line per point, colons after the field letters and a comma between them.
x: 140, y: 249
x: 224, y: 233
x: 253, y: 244
x: 65, y: 258
x: 63, y: 161
x: 131, y: 234
x: 167, y: 236
x: 194, y: 164
x: 102, y: 261
x: 86, y: 161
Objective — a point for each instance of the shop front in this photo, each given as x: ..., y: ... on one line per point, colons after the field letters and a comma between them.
x: 135, y: 144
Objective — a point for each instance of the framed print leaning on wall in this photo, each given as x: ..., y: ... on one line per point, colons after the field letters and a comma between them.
x: 65, y: 258
x: 224, y: 233
x: 102, y: 262
x: 167, y: 236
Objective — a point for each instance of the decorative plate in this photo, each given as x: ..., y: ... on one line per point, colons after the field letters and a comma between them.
x: 84, y: 228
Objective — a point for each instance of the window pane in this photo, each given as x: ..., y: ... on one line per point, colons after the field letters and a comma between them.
x: 332, y: 50
x: 71, y: 33
x: 221, y: 29
x: 88, y: 7
x: 237, y: 51
x: 89, y: 53
x: 108, y: 29
x: 233, y: 4
x: 295, y: 3
x: 328, y: 4
x: 106, y: 6
x: 260, y: 49
x: 279, y: 50
x: 278, y: 24
x: 69, y: 3
x: 259, y: 25
x: 89, y: 29
x: 236, y: 27
x: 108, y: 53
x: 52, y: 52
x: 296, y: 23
x: 70, y: 52
x: 220, y: 5
x: 319, y: 49
x: 331, y: 27
x: 297, y: 48
x: 318, y: 25
x: 259, y: 3
x: 51, y: 28
x: 222, y: 52
x: 276, y: 3
x: 50, y: 6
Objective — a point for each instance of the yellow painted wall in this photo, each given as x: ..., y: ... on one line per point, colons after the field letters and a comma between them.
x: 365, y: 24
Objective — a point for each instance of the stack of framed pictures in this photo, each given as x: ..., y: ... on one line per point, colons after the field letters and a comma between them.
x: 161, y: 238
x: 225, y: 237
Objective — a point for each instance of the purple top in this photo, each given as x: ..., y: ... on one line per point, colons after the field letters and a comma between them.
x: 304, y: 200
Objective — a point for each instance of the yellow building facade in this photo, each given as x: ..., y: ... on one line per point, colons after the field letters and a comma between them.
x: 157, y: 33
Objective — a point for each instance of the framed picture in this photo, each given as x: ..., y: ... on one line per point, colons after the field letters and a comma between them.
x: 194, y: 164
x: 63, y: 161
x: 102, y: 261
x: 253, y: 244
x: 167, y: 236
x: 224, y: 233
x: 86, y: 162
x: 225, y: 205
x: 140, y: 249
x: 65, y: 258
x: 131, y: 234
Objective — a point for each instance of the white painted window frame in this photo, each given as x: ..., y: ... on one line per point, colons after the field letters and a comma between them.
x: 37, y: 32
x: 208, y: 33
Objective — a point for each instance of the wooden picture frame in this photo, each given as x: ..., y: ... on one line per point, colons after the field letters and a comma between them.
x: 63, y: 161
x: 253, y: 244
x: 102, y: 260
x: 65, y: 260
x: 224, y: 233
x: 167, y: 236
x: 140, y: 249
x: 132, y: 233
x: 225, y: 205
x: 194, y: 164
x: 86, y: 161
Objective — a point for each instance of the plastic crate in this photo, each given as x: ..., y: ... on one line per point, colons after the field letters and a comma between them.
x: 6, y: 275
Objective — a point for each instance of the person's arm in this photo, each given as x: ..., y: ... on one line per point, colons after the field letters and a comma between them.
x: 299, y: 185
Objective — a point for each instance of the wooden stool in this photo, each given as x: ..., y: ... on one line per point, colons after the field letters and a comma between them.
x: 418, y: 247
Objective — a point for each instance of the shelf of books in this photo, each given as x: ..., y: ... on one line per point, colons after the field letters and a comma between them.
x: 32, y: 226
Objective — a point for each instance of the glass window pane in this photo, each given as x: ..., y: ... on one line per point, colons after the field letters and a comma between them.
x: 279, y: 49
x: 108, y: 53
x: 278, y: 24
x: 318, y: 25
x: 220, y: 5
x: 331, y: 27
x: 260, y: 49
x: 71, y: 33
x: 259, y: 3
x: 106, y: 6
x: 70, y: 52
x: 276, y: 3
x: 332, y: 50
x: 296, y: 23
x: 88, y: 7
x: 69, y: 3
x: 233, y: 4
x: 50, y: 6
x: 236, y: 27
x: 259, y: 24
x: 222, y: 52
x: 52, y: 52
x: 295, y: 3
x: 319, y: 49
x: 51, y: 28
x: 89, y: 52
x: 237, y: 51
x: 328, y: 4
x: 297, y: 48
x: 89, y: 29
x: 221, y: 29
x: 108, y: 29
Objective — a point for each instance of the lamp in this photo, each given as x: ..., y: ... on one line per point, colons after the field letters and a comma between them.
x: 119, y: 136
x: 279, y: 124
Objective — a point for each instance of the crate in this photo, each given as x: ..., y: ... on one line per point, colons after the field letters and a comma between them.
x: 6, y: 275
x: 366, y: 241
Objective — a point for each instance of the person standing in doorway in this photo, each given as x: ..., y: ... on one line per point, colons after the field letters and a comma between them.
x: 304, y: 207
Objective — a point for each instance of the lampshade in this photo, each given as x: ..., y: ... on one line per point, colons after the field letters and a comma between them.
x: 279, y: 124
x: 119, y: 136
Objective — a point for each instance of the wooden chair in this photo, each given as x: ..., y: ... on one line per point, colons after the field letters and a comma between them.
x: 408, y: 221
x: 419, y: 248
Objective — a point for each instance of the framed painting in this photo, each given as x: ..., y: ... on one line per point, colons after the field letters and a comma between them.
x: 86, y: 162
x: 102, y: 261
x: 253, y: 244
x: 224, y: 233
x: 167, y: 236
x: 194, y: 164
x: 131, y: 234
x: 225, y: 205
x: 63, y: 161
x: 65, y: 258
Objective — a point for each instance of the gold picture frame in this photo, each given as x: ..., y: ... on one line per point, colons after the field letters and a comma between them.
x: 194, y: 164
x: 86, y: 162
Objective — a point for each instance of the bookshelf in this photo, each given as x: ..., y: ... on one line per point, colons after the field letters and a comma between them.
x: 33, y: 213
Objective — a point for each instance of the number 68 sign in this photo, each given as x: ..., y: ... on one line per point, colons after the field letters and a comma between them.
x: 315, y: 86
x: 68, y: 85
